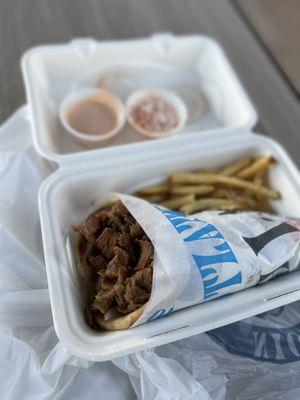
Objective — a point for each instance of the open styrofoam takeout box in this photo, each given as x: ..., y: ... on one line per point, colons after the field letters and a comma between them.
x: 68, y: 195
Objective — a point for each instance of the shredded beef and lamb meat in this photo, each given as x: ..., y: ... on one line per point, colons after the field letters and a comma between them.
x: 118, y: 259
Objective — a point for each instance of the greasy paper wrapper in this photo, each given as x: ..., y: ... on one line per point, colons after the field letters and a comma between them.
x: 206, y: 255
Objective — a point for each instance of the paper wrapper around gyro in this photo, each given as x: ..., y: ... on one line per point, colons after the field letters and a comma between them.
x: 196, y: 258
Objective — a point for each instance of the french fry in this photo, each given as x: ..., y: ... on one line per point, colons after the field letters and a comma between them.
x: 250, y: 203
x: 209, y: 203
x: 207, y: 171
x: 194, y: 189
x: 256, y: 202
x: 248, y: 193
x: 258, y: 165
x: 177, y: 202
x: 234, y: 168
x: 260, y: 179
x: 154, y: 189
x: 156, y: 198
x: 265, y: 207
x: 259, y: 182
x: 210, y: 179
x: 223, y: 193
x: 238, y: 186
x: 185, y: 178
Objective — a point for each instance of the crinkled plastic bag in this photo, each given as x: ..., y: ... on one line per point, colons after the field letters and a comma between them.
x: 33, y: 363
x: 258, y: 358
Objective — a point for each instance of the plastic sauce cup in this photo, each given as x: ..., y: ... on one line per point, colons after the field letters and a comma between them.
x: 172, y: 100
x: 108, y: 105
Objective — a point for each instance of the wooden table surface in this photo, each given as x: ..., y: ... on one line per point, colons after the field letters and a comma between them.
x: 25, y: 23
x: 277, y: 24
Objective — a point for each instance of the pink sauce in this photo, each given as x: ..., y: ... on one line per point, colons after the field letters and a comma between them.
x: 155, y: 114
x: 91, y: 117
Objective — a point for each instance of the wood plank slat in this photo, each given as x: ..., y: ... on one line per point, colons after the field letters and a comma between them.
x: 24, y: 23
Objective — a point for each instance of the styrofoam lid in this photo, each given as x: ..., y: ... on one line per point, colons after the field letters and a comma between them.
x: 193, y: 66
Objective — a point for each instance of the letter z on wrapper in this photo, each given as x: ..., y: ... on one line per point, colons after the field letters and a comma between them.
x: 207, y: 255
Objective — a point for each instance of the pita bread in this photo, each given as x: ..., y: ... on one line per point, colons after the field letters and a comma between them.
x: 120, y: 323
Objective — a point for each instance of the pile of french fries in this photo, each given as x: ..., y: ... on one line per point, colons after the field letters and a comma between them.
x: 240, y: 186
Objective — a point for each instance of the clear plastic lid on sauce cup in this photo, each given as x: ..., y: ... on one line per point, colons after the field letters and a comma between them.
x: 92, y: 115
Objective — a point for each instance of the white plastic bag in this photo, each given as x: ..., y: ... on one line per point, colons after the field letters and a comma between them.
x: 254, y: 359
x: 33, y: 364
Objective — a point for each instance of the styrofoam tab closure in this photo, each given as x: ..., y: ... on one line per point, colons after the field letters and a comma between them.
x: 163, y: 42
x: 84, y: 47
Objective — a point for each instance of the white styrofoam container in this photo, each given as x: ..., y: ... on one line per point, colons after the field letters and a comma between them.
x: 68, y: 196
x: 51, y: 71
